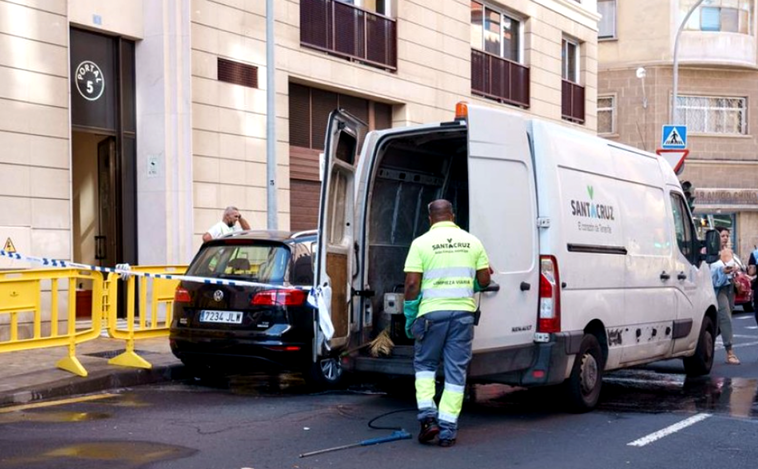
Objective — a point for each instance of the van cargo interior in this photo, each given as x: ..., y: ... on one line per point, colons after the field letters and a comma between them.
x: 411, y: 171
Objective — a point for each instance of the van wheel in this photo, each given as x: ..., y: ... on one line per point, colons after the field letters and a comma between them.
x: 583, y: 386
x: 325, y: 373
x: 700, y: 364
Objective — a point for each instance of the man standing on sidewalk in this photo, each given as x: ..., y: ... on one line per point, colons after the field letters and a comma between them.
x: 228, y: 224
x: 444, y: 268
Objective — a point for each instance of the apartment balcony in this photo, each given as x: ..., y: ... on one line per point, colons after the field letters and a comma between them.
x: 718, y: 48
x: 499, y: 79
x: 349, y: 32
x: 572, y: 102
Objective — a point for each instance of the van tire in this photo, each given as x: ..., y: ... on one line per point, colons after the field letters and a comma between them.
x: 701, y: 362
x: 325, y: 373
x: 582, y: 388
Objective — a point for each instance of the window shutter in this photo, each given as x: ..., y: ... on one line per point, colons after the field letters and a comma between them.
x: 237, y: 73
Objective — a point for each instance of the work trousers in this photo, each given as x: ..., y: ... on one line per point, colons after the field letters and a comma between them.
x: 725, y: 299
x: 446, y: 336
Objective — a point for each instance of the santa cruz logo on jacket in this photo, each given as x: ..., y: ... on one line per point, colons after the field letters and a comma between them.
x: 450, y: 245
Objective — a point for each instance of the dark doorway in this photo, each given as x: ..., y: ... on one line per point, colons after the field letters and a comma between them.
x: 104, y: 149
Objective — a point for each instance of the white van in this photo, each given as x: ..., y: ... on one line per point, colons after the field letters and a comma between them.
x: 592, y: 245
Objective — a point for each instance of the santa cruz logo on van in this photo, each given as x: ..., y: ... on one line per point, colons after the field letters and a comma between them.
x: 591, y: 209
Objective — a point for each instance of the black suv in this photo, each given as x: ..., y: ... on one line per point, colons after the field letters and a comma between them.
x: 223, y: 328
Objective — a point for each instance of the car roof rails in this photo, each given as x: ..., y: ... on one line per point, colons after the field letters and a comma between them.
x: 304, y: 233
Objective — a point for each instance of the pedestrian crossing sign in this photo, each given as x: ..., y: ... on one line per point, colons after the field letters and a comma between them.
x: 674, y: 137
x: 9, y: 247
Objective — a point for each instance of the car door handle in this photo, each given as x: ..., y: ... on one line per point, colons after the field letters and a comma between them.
x: 665, y: 276
x: 681, y: 276
x: 525, y: 286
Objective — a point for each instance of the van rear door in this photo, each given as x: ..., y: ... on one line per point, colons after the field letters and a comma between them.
x: 335, y: 257
x: 503, y: 208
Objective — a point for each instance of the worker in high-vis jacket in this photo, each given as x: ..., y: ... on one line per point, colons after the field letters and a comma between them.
x: 443, y: 270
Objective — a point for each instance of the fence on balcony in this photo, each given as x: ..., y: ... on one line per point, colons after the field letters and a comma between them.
x: 348, y: 31
x: 500, y: 79
x: 572, y: 102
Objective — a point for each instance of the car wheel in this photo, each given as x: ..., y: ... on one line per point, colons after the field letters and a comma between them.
x: 748, y: 307
x: 583, y: 386
x: 325, y: 373
x: 701, y: 362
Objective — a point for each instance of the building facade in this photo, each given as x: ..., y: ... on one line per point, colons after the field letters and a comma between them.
x: 717, y: 93
x: 127, y: 126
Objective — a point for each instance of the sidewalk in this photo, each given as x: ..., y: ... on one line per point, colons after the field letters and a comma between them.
x: 31, y: 375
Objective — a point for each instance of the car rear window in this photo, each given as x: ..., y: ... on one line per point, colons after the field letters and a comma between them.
x: 260, y: 262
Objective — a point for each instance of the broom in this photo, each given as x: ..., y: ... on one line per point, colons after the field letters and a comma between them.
x: 382, y: 344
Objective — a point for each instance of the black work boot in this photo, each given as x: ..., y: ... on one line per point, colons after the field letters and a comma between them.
x: 446, y: 443
x: 429, y: 430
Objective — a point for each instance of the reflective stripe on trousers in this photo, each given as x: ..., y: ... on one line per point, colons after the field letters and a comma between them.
x: 440, y: 338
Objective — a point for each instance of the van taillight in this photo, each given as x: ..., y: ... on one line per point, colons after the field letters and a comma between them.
x: 550, y: 296
x: 279, y: 298
x: 181, y: 295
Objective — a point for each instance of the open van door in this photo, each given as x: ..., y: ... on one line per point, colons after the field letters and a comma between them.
x: 503, y: 207
x: 335, y: 257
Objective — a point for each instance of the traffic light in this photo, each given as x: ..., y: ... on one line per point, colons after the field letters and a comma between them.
x: 689, y: 194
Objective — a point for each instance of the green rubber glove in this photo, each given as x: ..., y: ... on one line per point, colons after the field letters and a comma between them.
x: 410, y: 310
x: 478, y: 288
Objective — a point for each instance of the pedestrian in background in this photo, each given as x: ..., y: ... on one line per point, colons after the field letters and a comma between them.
x: 722, y: 272
x: 228, y: 224
x: 444, y: 268
x: 752, y: 271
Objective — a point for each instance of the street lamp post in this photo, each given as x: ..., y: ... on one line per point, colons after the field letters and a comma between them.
x: 676, y: 59
x: 271, y: 205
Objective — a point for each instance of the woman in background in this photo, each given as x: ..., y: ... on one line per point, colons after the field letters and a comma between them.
x: 722, y: 272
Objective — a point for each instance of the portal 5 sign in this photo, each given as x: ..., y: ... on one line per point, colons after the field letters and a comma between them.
x: 90, y: 81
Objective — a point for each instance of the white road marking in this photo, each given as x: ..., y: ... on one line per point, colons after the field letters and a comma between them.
x: 646, y: 440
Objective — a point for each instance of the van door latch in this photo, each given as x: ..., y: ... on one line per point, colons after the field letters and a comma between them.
x: 543, y: 222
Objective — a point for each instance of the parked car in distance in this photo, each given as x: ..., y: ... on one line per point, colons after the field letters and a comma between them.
x: 218, y: 329
x: 743, y: 295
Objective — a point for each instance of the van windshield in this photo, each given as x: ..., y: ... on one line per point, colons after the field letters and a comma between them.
x: 265, y: 263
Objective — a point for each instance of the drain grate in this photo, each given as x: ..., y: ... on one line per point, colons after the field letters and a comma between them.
x: 114, y: 353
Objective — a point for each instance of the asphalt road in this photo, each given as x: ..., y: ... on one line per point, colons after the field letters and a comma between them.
x: 648, y: 418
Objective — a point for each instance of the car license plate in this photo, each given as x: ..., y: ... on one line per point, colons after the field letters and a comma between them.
x: 226, y: 317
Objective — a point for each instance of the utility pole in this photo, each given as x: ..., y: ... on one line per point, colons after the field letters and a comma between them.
x: 676, y: 60
x: 271, y: 205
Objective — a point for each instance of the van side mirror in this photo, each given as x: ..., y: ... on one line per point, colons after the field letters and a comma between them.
x: 712, y: 244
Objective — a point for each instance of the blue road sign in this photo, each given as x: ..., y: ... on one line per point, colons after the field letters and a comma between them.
x: 674, y: 137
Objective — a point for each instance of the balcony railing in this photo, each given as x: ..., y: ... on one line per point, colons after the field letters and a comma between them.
x: 500, y: 79
x: 572, y: 102
x: 349, y: 31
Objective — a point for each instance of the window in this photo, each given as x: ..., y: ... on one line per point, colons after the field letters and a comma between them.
x: 606, y: 114
x: 495, y: 32
x: 733, y: 16
x: 683, y: 228
x: 712, y: 115
x: 570, y: 60
x: 607, y: 25
x: 378, y: 6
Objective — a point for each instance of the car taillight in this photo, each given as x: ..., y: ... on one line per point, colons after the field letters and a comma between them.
x: 279, y: 298
x: 550, y: 296
x: 181, y: 295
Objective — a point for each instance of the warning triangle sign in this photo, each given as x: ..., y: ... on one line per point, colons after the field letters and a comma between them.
x: 9, y: 247
x: 673, y: 138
